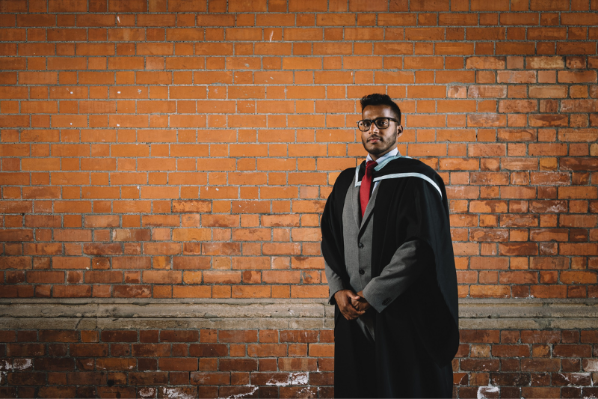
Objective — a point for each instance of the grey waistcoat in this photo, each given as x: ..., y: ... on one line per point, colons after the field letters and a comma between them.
x: 357, y: 237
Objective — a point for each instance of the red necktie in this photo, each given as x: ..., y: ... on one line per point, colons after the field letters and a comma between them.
x: 366, y: 185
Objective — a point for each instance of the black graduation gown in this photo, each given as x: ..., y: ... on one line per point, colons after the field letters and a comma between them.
x: 417, y: 334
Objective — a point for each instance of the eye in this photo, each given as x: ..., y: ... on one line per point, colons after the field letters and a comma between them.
x: 364, y: 125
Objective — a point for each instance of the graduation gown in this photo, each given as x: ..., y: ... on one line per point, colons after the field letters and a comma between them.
x: 416, y: 334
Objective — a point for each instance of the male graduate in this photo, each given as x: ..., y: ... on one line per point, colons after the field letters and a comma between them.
x: 390, y: 268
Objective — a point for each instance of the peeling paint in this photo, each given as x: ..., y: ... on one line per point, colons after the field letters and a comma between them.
x: 482, y: 391
x: 554, y: 209
x: 16, y: 364
x: 590, y: 365
x: 22, y: 364
x: 147, y: 392
x: 299, y: 379
x: 176, y: 393
x: 305, y: 393
x: 573, y: 379
x: 292, y: 379
x: 240, y: 395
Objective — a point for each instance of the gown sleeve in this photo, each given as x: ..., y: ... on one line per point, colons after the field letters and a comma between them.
x: 335, y: 283
x: 332, y: 235
x: 406, y: 265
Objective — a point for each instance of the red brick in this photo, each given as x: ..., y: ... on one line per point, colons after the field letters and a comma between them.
x: 127, y: 6
x: 510, y: 350
x: 237, y: 335
x: 203, y: 378
x: 118, y: 336
x: 87, y: 350
x: 179, y: 336
x: 182, y: 5
x: 480, y: 364
x: 266, y: 350
x: 178, y: 364
x: 572, y: 350
x: 151, y: 350
x: 208, y: 350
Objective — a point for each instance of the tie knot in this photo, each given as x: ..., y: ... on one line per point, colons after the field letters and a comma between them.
x: 369, y: 167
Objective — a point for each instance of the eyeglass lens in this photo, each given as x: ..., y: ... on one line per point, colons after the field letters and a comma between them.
x: 381, y: 123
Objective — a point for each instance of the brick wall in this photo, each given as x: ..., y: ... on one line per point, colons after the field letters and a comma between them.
x: 172, y: 363
x: 185, y: 150
x: 167, y: 149
x: 211, y: 363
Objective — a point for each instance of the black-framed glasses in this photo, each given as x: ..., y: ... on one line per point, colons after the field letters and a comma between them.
x: 381, y: 123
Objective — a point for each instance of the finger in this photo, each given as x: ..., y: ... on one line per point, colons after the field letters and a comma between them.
x: 356, y: 302
x: 343, y: 304
x: 358, y: 299
x: 355, y: 313
x: 350, y: 315
x: 347, y: 310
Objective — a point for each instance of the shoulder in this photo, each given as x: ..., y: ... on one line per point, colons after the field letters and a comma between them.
x: 407, y: 165
x: 419, y: 174
x: 345, y: 178
x: 339, y: 189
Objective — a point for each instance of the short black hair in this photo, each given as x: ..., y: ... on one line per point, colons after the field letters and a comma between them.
x: 381, y: 99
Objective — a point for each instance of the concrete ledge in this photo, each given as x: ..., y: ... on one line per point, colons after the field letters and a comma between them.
x: 113, y: 313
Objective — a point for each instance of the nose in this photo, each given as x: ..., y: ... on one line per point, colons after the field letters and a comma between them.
x: 373, y: 128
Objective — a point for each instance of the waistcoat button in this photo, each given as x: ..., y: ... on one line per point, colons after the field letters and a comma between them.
x: 360, y: 245
x: 361, y: 271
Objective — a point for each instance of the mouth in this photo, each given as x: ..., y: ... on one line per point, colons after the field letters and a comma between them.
x: 373, y: 140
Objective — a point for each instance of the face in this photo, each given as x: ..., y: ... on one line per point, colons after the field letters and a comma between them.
x: 378, y: 142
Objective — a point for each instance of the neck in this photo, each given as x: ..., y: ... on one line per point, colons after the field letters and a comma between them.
x: 375, y: 157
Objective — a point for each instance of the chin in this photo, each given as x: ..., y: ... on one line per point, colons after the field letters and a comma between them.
x: 376, y: 150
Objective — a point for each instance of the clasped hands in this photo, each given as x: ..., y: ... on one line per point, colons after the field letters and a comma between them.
x: 350, y: 304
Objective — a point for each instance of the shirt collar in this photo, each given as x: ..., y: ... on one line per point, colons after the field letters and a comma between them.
x: 384, y: 157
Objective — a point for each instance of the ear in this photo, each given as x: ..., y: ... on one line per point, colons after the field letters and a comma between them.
x: 399, y: 130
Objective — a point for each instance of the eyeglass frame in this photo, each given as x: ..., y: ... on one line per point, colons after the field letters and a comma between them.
x: 373, y: 121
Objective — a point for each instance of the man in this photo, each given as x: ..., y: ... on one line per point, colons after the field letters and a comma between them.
x: 390, y: 269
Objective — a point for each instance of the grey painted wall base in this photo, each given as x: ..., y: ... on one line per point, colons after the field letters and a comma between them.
x: 89, y: 314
